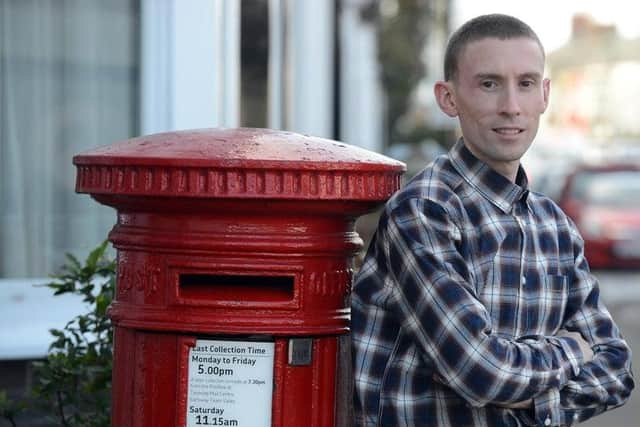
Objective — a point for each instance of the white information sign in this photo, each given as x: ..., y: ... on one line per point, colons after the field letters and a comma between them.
x: 230, y: 384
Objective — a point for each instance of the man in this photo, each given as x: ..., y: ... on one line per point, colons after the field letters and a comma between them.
x: 475, y: 305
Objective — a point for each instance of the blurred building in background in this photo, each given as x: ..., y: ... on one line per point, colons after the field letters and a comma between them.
x: 595, y: 84
x: 593, y: 110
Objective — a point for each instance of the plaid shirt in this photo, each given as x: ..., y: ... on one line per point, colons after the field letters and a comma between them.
x: 456, y: 307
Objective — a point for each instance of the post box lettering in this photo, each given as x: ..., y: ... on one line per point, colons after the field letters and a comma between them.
x: 227, y: 377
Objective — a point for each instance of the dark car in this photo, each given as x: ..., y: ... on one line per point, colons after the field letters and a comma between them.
x: 604, y: 202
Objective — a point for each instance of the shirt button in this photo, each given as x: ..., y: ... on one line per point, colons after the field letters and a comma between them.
x: 523, y: 280
x: 558, y: 377
x: 547, y: 422
x: 575, y: 416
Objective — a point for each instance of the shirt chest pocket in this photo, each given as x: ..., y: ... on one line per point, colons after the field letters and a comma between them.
x: 533, y: 306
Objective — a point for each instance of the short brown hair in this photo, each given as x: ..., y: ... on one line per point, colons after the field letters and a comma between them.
x: 496, y: 25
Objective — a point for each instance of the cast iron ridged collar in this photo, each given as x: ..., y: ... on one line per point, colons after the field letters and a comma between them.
x: 238, y: 163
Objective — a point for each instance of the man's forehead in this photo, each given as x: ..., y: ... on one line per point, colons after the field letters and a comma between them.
x: 491, y: 55
x: 500, y: 43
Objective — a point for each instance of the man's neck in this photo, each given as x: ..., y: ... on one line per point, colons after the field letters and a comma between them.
x: 507, y: 169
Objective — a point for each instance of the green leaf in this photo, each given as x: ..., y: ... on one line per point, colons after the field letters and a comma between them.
x: 73, y: 263
x: 102, y: 302
x: 56, y: 333
x: 96, y: 255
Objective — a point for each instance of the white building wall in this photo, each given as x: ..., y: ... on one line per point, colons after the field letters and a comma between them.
x: 309, y: 95
x: 361, y: 117
x: 190, y: 64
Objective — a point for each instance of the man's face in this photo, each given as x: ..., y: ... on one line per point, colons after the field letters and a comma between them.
x: 498, y: 95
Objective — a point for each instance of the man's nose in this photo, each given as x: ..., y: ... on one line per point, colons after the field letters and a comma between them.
x: 510, y: 102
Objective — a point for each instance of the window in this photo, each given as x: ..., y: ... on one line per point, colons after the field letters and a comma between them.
x: 254, y: 57
x: 69, y: 82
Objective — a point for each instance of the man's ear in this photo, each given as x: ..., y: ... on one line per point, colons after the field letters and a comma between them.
x: 546, y: 89
x: 445, y: 98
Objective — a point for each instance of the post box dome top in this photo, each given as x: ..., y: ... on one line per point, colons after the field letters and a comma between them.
x: 237, y: 162
x: 239, y: 147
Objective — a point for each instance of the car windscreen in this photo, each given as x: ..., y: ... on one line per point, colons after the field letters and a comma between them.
x: 618, y: 189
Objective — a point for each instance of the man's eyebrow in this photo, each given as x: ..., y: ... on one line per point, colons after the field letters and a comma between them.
x: 494, y: 76
x: 488, y: 76
x: 532, y: 75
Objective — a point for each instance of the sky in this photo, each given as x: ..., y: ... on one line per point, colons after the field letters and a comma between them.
x: 551, y: 19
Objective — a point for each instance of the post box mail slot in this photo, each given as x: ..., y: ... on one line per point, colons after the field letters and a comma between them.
x: 221, y: 288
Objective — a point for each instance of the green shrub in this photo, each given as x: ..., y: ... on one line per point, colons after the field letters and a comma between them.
x: 72, y: 386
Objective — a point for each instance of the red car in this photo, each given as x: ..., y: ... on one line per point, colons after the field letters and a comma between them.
x: 604, y: 202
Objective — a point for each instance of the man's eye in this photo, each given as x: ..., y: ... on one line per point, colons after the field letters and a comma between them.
x: 488, y: 84
x: 527, y: 83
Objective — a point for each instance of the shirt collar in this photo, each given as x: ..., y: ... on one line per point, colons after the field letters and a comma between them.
x: 493, y: 186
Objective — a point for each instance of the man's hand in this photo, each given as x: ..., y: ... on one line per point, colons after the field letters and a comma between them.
x: 587, y: 354
x: 585, y: 347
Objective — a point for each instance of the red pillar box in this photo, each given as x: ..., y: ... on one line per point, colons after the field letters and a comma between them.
x: 235, y: 249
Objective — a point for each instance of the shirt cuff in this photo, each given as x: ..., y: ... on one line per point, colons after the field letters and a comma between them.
x: 547, y: 410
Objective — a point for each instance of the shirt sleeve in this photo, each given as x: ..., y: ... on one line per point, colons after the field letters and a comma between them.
x: 606, y: 381
x: 435, y: 302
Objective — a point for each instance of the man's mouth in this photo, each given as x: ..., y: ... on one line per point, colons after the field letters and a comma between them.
x: 508, y: 131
